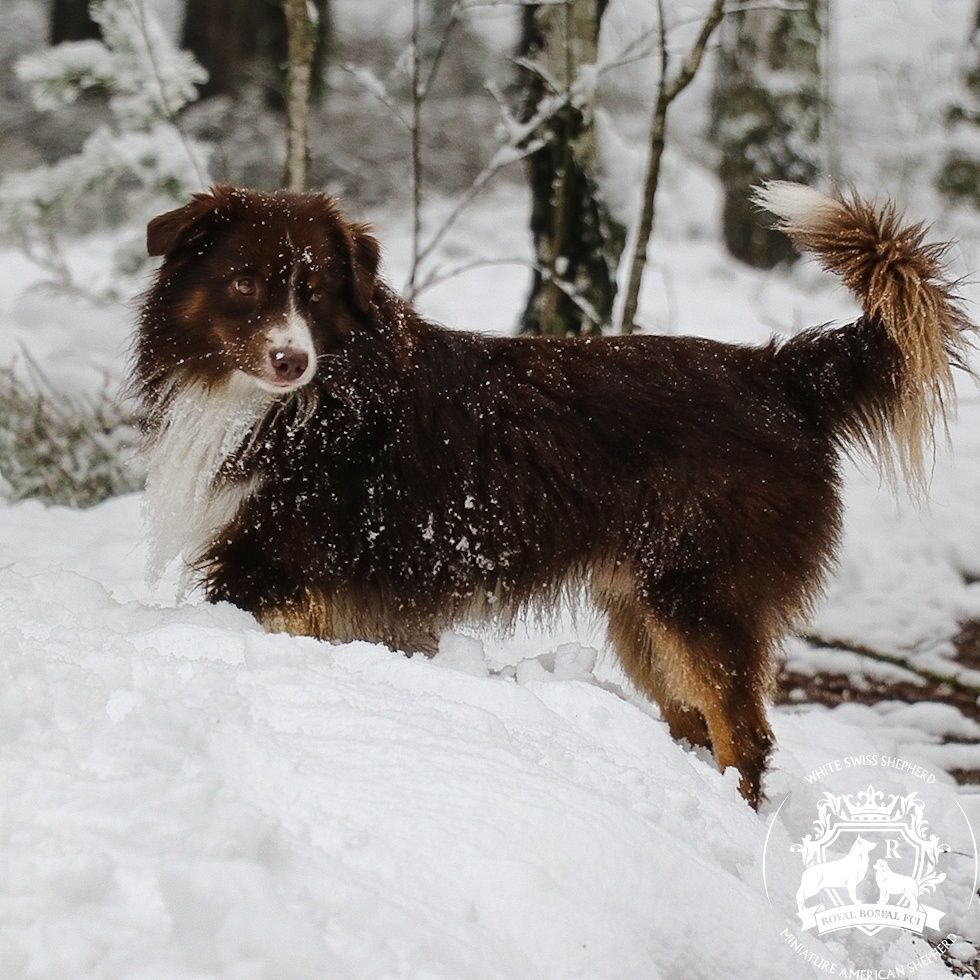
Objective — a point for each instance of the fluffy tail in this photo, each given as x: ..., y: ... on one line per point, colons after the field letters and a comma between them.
x: 885, y: 381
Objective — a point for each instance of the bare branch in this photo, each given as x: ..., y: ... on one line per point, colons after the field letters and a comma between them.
x: 416, y: 134
x: 521, y: 141
x: 635, y: 50
x: 438, y: 276
x: 48, y: 256
x: 504, y: 157
x: 375, y: 88
x: 668, y: 89
x: 529, y: 64
x: 455, y: 15
x: 693, y: 61
x: 664, y: 54
x: 572, y: 293
x: 740, y: 8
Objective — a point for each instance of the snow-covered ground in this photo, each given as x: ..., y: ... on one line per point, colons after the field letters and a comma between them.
x: 187, y: 796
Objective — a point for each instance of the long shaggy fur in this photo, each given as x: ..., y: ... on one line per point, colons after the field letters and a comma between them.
x: 425, y: 477
x: 903, y: 287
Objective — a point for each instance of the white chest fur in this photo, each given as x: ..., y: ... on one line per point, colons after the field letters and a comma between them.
x: 184, y: 505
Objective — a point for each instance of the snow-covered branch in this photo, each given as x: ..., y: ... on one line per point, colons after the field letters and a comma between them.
x: 147, y: 81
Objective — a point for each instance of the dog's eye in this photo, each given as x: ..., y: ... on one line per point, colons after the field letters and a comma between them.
x: 245, y: 285
x: 316, y: 295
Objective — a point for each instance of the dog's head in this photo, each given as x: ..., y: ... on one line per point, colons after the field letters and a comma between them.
x: 880, y: 865
x: 261, y: 284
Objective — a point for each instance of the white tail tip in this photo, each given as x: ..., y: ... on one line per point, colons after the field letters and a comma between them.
x: 796, y: 205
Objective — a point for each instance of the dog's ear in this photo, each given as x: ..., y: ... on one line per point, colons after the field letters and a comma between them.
x: 365, y: 256
x: 166, y: 233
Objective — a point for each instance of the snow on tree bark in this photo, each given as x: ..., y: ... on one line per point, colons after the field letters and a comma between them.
x: 766, y: 113
x: 577, y: 243
x: 959, y: 178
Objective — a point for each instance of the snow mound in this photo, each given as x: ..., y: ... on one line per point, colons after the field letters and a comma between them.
x: 194, y: 797
x: 188, y: 796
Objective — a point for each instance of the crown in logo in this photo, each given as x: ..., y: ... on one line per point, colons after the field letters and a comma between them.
x: 871, y: 805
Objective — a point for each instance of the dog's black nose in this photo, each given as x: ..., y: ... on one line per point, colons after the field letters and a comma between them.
x: 288, y: 364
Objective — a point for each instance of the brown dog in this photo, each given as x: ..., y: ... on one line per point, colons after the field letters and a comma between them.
x: 327, y: 459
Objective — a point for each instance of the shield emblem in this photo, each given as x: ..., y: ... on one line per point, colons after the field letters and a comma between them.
x: 868, y: 865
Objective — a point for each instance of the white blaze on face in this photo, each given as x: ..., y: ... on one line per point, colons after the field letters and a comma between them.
x: 293, y: 335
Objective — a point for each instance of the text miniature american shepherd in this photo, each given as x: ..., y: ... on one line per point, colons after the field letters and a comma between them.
x: 322, y: 456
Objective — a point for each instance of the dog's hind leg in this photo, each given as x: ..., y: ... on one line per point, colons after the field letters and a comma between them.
x: 704, y: 651
x: 648, y: 661
x: 733, y: 702
x: 725, y: 674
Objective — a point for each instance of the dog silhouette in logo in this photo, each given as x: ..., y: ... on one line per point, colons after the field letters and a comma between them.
x: 892, y: 883
x: 846, y: 872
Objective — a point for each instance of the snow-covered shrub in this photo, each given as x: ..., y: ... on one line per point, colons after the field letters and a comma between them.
x: 68, y: 451
x: 140, y: 153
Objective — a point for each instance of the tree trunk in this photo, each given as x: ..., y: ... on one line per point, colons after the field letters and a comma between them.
x: 276, y: 51
x: 239, y: 40
x: 577, y: 244
x: 224, y: 37
x: 959, y: 178
x: 301, y: 32
x: 70, y: 21
x: 766, y: 114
